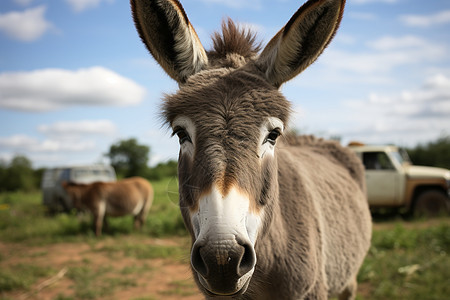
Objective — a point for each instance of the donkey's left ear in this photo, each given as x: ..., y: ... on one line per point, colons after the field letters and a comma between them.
x: 301, y: 41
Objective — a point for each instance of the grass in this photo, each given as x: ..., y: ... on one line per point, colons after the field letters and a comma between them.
x: 408, y: 263
x: 21, y: 276
x: 164, y: 219
x: 93, y: 283
x: 181, y: 288
x: 407, y: 260
x: 142, y: 251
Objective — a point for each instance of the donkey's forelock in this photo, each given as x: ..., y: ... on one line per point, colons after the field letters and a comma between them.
x: 233, y: 40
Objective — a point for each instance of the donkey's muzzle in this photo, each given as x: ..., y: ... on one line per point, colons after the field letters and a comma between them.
x: 224, y: 266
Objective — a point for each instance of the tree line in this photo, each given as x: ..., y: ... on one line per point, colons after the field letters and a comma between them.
x: 129, y: 158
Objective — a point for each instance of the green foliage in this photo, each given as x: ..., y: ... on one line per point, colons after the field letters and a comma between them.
x: 436, y: 154
x: 408, y: 263
x: 162, y: 170
x: 129, y: 158
x: 18, y: 175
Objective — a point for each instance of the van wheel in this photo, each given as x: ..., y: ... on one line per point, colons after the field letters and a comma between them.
x: 431, y: 203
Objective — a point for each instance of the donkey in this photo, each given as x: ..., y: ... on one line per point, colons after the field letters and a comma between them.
x: 269, y: 217
x: 128, y: 196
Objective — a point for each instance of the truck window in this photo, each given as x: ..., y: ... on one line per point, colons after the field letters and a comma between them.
x: 377, y: 161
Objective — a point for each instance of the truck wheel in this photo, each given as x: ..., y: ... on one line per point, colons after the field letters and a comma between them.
x: 431, y: 203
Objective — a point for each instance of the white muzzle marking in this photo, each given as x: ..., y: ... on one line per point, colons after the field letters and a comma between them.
x: 224, y: 219
x: 225, y: 215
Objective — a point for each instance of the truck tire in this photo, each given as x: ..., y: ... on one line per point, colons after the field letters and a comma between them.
x: 431, y: 203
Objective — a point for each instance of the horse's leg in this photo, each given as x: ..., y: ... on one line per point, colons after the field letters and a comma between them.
x: 349, y: 292
x: 99, y: 217
x: 139, y: 219
x: 105, y: 224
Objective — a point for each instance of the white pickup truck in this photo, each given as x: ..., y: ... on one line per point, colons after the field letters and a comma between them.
x: 393, y: 182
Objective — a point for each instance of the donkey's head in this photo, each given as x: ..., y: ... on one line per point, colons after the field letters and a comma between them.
x: 228, y: 115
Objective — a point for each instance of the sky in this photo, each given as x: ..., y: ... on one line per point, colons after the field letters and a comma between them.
x: 75, y: 77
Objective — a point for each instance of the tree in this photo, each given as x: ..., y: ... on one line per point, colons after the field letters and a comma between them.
x: 18, y: 175
x: 436, y: 154
x: 129, y: 158
x: 162, y: 170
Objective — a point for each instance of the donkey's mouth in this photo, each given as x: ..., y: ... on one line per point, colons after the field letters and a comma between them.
x: 241, y: 287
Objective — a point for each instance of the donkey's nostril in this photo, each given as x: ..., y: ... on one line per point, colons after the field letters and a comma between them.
x: 197, y: 261
x: 248, y: 260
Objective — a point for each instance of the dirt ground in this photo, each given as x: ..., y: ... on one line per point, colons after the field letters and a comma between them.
x: 151, y: 279
x: 137, y: 278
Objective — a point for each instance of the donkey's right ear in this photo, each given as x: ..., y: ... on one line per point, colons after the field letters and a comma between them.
x: 169, y: 36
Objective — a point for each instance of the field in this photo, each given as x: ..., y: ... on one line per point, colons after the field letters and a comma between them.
x: 59, y: 257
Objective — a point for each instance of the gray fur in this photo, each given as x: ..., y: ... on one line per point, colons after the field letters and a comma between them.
x: 317, y: 225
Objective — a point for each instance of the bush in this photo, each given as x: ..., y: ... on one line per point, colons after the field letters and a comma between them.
x: 436, y: 154
x: 18, y: 175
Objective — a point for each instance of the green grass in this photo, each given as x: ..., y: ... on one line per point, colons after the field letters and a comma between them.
x: 21, y: 276
x: 142, y: 251
x: 24, y: 219
x: 406, y: 263
x: 181, y: 288
x: 93, y: 283
x: 407, y: 260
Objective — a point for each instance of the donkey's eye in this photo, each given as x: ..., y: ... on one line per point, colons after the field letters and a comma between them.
x: 272, y: 136
x: 182, y: 134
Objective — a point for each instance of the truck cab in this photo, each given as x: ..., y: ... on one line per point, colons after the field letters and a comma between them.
x: 394, y: 182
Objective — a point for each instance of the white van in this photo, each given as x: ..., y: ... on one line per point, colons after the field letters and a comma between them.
x: 54, y: 196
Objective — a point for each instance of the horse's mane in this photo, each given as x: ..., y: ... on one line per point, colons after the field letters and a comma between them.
x: 234, y: 40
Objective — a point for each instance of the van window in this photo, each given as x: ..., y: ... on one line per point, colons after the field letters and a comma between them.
x: 65, y: 175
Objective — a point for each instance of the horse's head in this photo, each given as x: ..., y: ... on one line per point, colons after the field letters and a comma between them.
x: 75, y: 192
x: 228, y: 115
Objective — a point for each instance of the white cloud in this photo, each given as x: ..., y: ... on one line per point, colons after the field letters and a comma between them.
x: 31, y: 144
x: 408, y: 117
x: 26, y: 26
x: 79, y: 128
x: 392, y: 43
x: 384, y: 55
x: 23, y: 2
x: 81, y: 5
x: 51, y: 89
x: 439, y: 18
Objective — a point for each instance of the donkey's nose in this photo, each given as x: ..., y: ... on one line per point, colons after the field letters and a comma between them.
x: 221, y: 263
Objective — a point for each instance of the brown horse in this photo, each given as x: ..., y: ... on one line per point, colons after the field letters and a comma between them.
x: 269, y: 217
x: 128, y: 196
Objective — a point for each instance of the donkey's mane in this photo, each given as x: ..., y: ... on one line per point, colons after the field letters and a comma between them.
x: 234, y: 40
x: 331, y: 149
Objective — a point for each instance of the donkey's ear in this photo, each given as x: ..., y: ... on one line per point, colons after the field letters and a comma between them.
x: 301, y: 41
x: 169, y: 36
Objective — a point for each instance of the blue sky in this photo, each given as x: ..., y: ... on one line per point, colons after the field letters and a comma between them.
x: 75, y: 78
